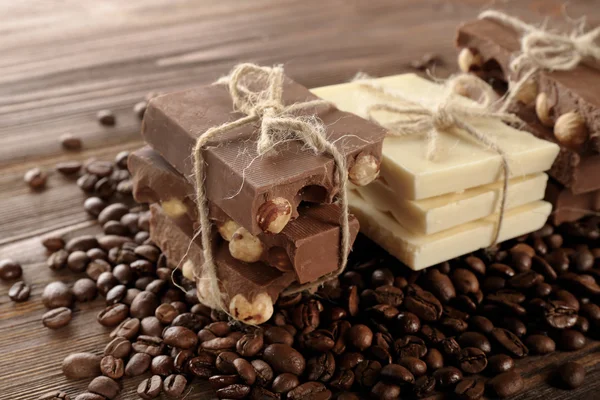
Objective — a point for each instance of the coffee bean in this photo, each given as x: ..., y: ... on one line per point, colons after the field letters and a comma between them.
x: 465, y: 281
x: 53, y: 243
x: 57, y: 260
x: 245, y: 370
x: 150, y: 388
x: 264, y: 372
x: 138, y: 364
x: 475, y: 339
x: 321, y: 368
x: 77, y: 261
x: 144, y: 305
x: 424, y: 386
x: 447, y: 376
x: 113, y: 315
x: 423, y: 304
x: 525, y: 280
x: 116, y: 294
x: 481, y: 324
x: 36, y: 178
x: 104, y: 386
x: 174, y: 385
x: 559, y: 314
x: 440, y: 285
x: 221, y: 381
x: 57, y: 294
x: 416, y: 366
x: 81, y: 365
x: 583, y: 260
x: 571, y: 340
x: 385, y: 391
x: 540, y: 344
x: 582, y: 324
x: 127, y: 329
x: 119, y: 347
x: 112, y: 367
x: 306, y: 316
x: 235, y: 391
x: 360, y: 336
x: 510, y: 342
x: 202, y: 366
x: 55, y: 395
x: 57, y: 318
x: 250, y: 344
x: 434, y: 359
x: 407, y: 323
x: 366, y: 373
x: 106, y: 117
x: 472, y: 360
x: 68, y: 167
x: 90, y: 396
x: 309, y: 391
x: 275, y: 334
x: 181, y: 337
x: 475, y: 264
x: 410, y: 346
x: 397, y: 374
x: 19, y: 292
x: 506, y: 384
x: 96, y: 268
x: 151, y: 345
x: 285, y: 382
x: 470, y: 389
x: 70, y: 142
x: 105, y: 282
x: 432, y: 335
x: 123, y: 273
x: 283, y: 358
x: 500, y: 363
x: 113, y: 212
x: 82, y: 243
x: 224, y: 362
x: 162, y: 365
x: 572, y: 374
x: 514, y: 325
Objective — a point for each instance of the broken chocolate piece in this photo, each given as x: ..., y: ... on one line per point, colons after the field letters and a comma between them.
x: 309, y: 244
x: 570, y: 207
x: 238, y: 181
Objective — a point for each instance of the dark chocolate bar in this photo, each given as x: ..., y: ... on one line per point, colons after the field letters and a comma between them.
x: 309, y: 244
x: 569, y: 207
x: 577, y: 168
x: 238, y: 181
x: 247, y: 285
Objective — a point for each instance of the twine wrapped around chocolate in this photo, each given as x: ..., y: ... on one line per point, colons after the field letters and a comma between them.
x: 544, y: 50
x: 278, y: 123
x: 448, y: 114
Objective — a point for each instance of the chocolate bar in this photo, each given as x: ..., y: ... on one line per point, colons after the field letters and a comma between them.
x: 308, y: 245
x: 252, y: 288
x: 570, y: 207
x: 256, y: 190
x: 487, y: 50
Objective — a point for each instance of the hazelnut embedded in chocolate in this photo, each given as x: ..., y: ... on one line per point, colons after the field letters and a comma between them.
x: 543, y: 109
x: 468, y: 59
x: 528, y: 92
x: 570, y: 130
x: 188, y: 269
x: 274, y: 215
x: 364, y: 170
x: 245, y: 247
x: 174, y: 208
x: 227, y: 229
x: 256, y: 312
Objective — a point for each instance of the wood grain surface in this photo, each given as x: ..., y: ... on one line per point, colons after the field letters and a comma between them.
x: 63, y: 60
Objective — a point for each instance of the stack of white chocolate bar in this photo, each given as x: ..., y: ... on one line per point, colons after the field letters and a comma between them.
x: 427, y: 211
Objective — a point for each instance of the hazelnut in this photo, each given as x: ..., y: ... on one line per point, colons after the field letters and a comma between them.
x: 174, y: 208
x: 36, y: 178
x: 227, y: 229
x: 570, y: 130
x: 245, y: 247
x: 274, y: 215
x: 528, y: 92
x: 255, y: 313
x: 364, y: 170
x: 204, y: 293
x: 543, y: 109
x: 187, y: 269
x: 468, y: 59
x: 278, y: 258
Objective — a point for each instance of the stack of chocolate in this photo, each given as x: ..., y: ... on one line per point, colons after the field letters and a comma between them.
x: 426, y: 211
x: 275, y: 221
x: 562, y: 107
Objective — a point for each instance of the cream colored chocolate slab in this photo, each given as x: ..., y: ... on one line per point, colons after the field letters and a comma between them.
x: 443, y: 212
x: 462, y: 162
x: 422, y: 251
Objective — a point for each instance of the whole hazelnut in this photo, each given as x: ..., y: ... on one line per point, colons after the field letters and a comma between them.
x: 273, y: 215
x: 227, y: 229
x: 543, y: 109
x: 528, y: 92
x: 245, y: 247
x: 570, y: 130
x: 468, y: 59
x: 256, y: 312
x: 364, y: 170
x: 174, y: 208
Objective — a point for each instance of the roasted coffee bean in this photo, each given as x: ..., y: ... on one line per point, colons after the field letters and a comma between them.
x: 224, y: 362
x: 104, y: 386
x: 181, y: 337
x: 138, y: 364
x: 191, y: 321
x: 319, y: 341
x: 96, y: 267
x: 582, y: 324
x: 424, y: 386
x: 571, y: 340
x: 407, y: 323
x: 264, y: 372
x: 219, y: 344
x: 105, y: 187
x: 82, y: 243
x: 540, y: 344
x: 144, y: 305
x: 447, y: 376
x: 525, y: 280
x: 506, y: 384
x: 385, y: 391
x: 105, y: 282
x: 464, y: 281
x: 113, y: 212
x: 475, y: 339
x: 112, y: 367
x: 202, y: 365
x: 87, y: 182
x: 481, y: 324
x: 350, y: 360
x: 36, y: 178
x: 151, y: 326
x: 320, y: 368
x: 221, y: 381
x: 53, y: 243
x: 57, y: 294
x: 285, y: 382
x: 514, y: 325
x: 440, y: 285
x: 113, y: 315
x: 510, y: 342
x: 389, y: 295
x: 423, y: 304
x: 572, y: 374
x: 542, y: 290
x: 450, y: 347
x: 591, y: 311
x: 360, y: 336
x: 10, y: 270
x: 382, y: 276
x: 162, y: 365
x: 119, y: 347
x: 57, y: 318
x: 151, y: 345
x: 77, y: 261
x: 500, y: 363
x: 568, y: 298
x: 559, y: 314
x: 472, y: 360
x: 116, y: 294
x: 90, y: 396
x: 309, y: 391
x: 55, y: 395
x: 19, y: 292
x: 414, y: 365
x: 342, y: 380
x: 81, y: 365
x: 57, y: 260
x: 583, y: 260
x: 150, y: 388
x: 432, y: 335
x: 453, y: 325
x: 306, y: 316
x: 235, y: 391
x: 250, y: 344
x: 245, y: 370
x: 434, y: 359
x: 410, y: 346
x: 492, y: 284
x: 284, y: 358
x: 366, y: 373
x: 397, y: 374
x: 469, y: 389
x: 127, y: 329
x: 174, y: 385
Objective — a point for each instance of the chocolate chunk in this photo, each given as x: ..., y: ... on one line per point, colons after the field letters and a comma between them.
x: 570, y: 207
x: 237, y: 180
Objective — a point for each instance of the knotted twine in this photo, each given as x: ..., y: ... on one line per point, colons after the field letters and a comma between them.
x: 278, y: 123
x: 446, y: 116
x: 544, y: 50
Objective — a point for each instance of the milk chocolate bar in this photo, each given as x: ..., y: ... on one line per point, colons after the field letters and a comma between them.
x: 251, y: 288
x: 246, y: 187
x: 308, y: 245
x: 570, y: 207
x: 553, y: 95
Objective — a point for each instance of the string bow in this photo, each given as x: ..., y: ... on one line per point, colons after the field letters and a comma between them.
x: 448, y: 114
x: 258, y: 92
x: 544, y: 50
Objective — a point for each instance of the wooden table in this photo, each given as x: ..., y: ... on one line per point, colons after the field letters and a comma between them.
x: 63, y: 60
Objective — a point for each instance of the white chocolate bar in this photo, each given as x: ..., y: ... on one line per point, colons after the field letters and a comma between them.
x: 443, y: 212
x: 462, y: 162
x: 422, y: 251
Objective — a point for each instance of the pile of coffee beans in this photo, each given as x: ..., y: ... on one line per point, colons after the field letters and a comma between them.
x: 378, y: 331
